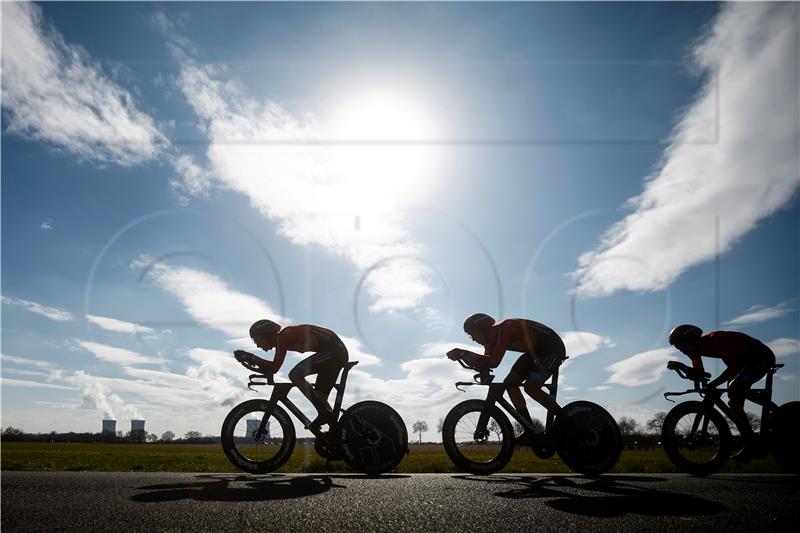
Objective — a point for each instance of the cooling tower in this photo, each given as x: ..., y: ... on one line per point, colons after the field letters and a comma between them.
x: 110, y: 426
x: 137, y: 431
x: 252, y: 427
x: 137, y: 425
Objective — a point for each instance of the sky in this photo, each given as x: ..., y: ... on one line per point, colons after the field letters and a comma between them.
x: 173, y: 172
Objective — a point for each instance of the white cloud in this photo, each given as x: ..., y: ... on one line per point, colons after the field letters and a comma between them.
x: 734, y: 154
x: 642, y: 368
x: 119, y: 326
x: 53, y: 92
x: 53, y: 313
x: 343, y: 197
x: 46, y: 225
x: 582, y: 342
x: 98, y: 396
x: 600, y: 388
x: 760, y: 313
x: 118, y: 356
x: 783, y: 346
x: 24, y: 361
x: 7, y: 382
x: 207, y: 298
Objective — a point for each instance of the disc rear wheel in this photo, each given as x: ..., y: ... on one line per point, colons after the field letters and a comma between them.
x: 372, y: 437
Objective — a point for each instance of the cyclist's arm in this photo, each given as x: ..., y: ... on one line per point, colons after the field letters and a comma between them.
x: 495, y: 353
x: 697, y: 364
x: 287, y: 337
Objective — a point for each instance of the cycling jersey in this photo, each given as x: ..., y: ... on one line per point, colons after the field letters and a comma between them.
x: 527, y: 336
x: 738, y: 351
x: 307, y: 338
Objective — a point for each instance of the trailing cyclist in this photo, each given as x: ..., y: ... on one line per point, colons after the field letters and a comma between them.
x: 747, y: 360
x: 329, y: 358
x: 542, y: 353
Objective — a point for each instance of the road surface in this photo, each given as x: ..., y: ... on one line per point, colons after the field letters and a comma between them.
x: 109, y: 501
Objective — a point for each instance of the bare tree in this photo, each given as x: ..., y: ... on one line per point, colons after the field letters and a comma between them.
x: 655, y: 423
x: 754, y: 420
x: 439, y: 425
x: 152, y: 437
x: 193, y: 435
x: 168, y: 436
x: 420, y: 426
x: 494, y: 427
x: 627, y: 426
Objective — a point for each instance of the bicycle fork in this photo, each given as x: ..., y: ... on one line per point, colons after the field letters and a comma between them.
x: 495, y: 393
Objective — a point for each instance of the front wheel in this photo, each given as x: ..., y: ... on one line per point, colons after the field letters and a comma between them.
x: 786, y: 436
x: 372, y: 437
x: 253, y: 451
x: 697, y: 438
x: 588, y: 438
x: 478, y: 450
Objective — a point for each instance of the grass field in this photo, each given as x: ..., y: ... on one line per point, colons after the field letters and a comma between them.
x: 209, y: 458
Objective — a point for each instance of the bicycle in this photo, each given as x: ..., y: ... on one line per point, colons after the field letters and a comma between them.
x: 258, y: 436
x: 585, y: 435
x: 697, y: 436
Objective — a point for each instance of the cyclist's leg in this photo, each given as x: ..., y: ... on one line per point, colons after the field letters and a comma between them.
x: 519, y: 373
x: 308, y: 366
x: 327, y: 372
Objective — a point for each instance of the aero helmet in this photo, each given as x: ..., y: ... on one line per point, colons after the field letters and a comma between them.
x: 264, y: 327
x: 685, y: 333
x: 478, y: 321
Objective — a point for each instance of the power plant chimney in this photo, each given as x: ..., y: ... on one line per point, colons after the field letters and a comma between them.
x: 137, y: 431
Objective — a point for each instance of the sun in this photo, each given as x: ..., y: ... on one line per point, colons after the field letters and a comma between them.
x: 384, y: 146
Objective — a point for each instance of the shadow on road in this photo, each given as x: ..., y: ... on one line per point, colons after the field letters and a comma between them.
x: 607, y: 496
x: 238, y: 488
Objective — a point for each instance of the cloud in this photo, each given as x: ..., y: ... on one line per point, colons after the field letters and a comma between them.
x: 118, y: 356
x: 53, y: 92
x: 749, y: 107
x: 46, y: 225
x: 98, y: 396
x: 582, y: 342
x: 24, y: 361
x: 343, y: 197
x: 641, y: 369
x: 783, y: 346
x: 7, y: 382
x: 119, y: 326
x: 760, y: 313
x: 207, y: 298
x: 53, y: 313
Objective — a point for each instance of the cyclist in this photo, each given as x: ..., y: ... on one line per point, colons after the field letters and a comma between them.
x: 747, y: 360
x: 329, y: 358
x: 542, y: 352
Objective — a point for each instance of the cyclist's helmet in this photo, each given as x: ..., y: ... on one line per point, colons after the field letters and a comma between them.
x: 685, y: 333
x: 267, y: 328
x: 478, y: 322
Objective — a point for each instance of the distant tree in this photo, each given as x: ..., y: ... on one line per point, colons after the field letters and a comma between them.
x: 754, y: 420
x: 627, y: 426
x: 168, y: 436
x: 495, y: 428
x: 120, y: 434
x: 193, y: 435
x: 655, y: 423
x: 538, y: 426
x: 439, y: 425
x: 12, y: 433
x: 420, y: 426
x: 152, y: 437
x: 518, y: 429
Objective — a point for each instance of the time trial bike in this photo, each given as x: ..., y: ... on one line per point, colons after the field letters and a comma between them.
x: 258, y: 436
x: 697, y: 437
x: 479, y: 438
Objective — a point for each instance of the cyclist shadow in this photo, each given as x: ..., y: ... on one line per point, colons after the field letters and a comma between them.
x: 607, y: 496
x: 238, y: 488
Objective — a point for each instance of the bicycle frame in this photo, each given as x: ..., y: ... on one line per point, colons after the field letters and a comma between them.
x: 762, y: 397
x: 280, y: 394
x: 495, y: 396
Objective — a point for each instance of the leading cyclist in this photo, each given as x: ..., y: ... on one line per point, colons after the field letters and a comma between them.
x: 747, y: 360
x: 330, y: 357
x: 542, y: 352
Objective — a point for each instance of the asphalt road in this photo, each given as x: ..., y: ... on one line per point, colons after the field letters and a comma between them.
x: 108, y: 501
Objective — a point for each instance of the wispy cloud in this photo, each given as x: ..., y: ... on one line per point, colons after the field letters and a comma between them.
x: 209, y: 300
x: 583, y: 342
x: 54, y: 92
x: 46, y: 225
x: 784, y: 346
x: 119, y: 326
x: 641, y: 369
x: 760, y: 313
x: 53, y: 313
x: 24, y: 361
x: 344, y: 198
x: 749, y: 105
x: 117, y: 356
x: 7, y: 382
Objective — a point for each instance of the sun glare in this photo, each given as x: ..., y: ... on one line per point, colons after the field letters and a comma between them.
x: 381, y: 148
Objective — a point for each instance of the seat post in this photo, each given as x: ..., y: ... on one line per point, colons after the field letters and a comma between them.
x: 341, y: 385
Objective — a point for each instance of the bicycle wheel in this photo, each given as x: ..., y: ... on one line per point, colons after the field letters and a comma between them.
x: 697, y: 438
x: 474, y: 451
x: 786, y: 436
x: 372, y: 437
x: 252, y: 453
x: 588, y: 438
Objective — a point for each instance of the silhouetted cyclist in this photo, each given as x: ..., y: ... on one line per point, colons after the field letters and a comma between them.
x: 747, y: 360
x: 330, y: 357
x: 542, y: 352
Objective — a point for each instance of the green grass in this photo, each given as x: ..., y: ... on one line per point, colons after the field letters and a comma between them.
x: 209, y: 458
